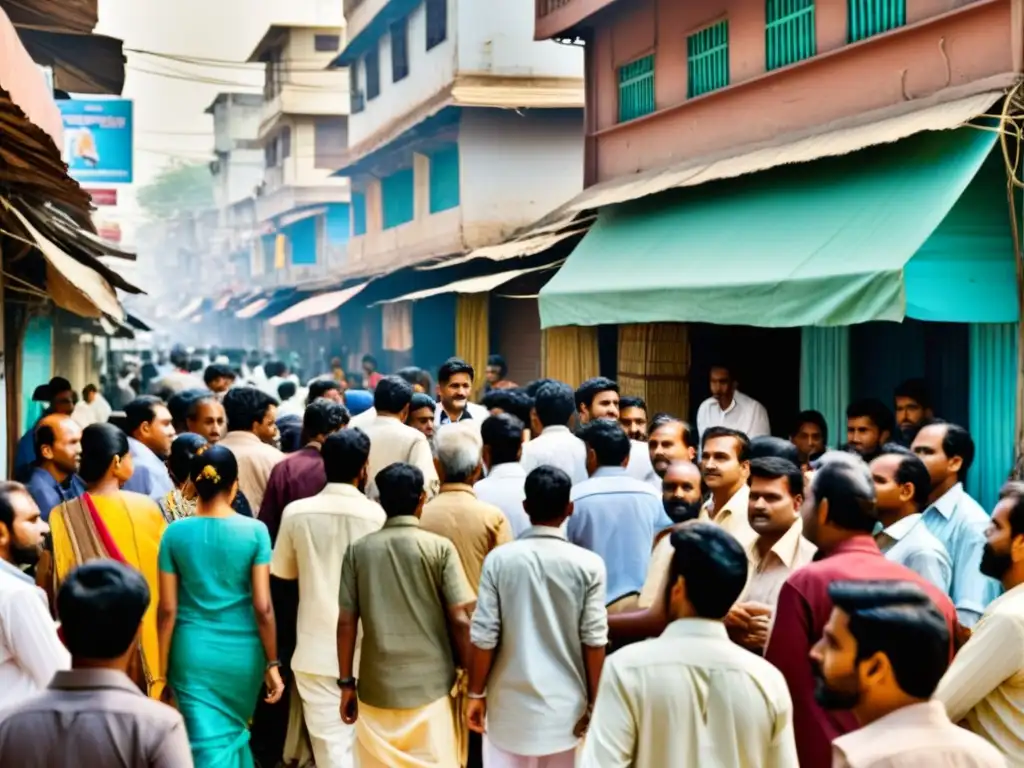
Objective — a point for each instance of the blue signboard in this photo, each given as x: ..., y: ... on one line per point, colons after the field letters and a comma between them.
x: 98, y: 139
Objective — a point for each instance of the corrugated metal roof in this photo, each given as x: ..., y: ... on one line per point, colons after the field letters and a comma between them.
x: 481, y: 284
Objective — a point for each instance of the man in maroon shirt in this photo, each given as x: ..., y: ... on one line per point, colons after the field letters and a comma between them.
x: 302, y: 473
x: 839, y: 517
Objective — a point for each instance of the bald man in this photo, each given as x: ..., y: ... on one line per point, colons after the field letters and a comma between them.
x: 58, y: 448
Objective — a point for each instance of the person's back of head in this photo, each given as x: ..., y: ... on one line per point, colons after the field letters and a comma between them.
x: 392, y: 396
x: 911, y: 470
x: 322, y: 418
x: 286, y: 390
x: 554, y: 404
x: 708, y: 572
x: 183, y: 450
x: 768, y: 446
x: 417, y: 377
x: 100, y: 606
x: 502, y: 437
x: 101, y: 445
x: 345, y: 456
x: 513, y: 401
x: 246, y: 407
x: 400, y: 489
x: 533, y: 387
x: 548, y: 490
x: 459, y: 449
x: 214, y: 472
x: 608, y: 442
x: 319, y: 388
x: 843, y: 481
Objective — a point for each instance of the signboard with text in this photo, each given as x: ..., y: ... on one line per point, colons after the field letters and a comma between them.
x: 103, y: 196
x: 98, y: 139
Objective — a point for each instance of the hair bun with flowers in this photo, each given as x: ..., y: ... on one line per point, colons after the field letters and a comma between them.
x: 209, y: 473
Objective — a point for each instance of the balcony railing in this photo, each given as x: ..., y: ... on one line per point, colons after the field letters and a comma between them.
x: 546, y: 7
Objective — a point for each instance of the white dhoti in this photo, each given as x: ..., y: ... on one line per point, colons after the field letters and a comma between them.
x: 333, y: 741
x: 495, y: 757
x: 408, y: 738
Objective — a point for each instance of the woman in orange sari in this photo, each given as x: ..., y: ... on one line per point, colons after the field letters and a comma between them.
x: 107, y: 523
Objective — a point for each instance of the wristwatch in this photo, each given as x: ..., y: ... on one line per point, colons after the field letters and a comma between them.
x: 346, y: 682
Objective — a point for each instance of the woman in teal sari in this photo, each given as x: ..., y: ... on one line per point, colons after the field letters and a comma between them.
x: 216, y: 623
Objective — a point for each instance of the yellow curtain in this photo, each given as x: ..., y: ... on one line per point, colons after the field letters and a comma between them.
x: 569, y: 353
x: 472, y: 334
x: 654, y: 363
x: 280, y: 252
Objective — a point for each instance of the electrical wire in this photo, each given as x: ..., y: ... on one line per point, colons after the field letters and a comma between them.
x: 290, y: 65
x: 251, y: 86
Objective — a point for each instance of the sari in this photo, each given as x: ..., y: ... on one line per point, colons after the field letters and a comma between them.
x: 126, y: 527
x: 176, y: 505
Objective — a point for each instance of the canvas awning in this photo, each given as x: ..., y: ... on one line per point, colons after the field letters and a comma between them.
x: 252, y: 309
x: 822, y: 243
x: 316, y: 305
x: 189, y: 309
x: 24, y: 81
x: 482, y: 284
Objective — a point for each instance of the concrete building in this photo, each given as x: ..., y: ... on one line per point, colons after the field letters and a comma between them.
x: 813, y: 187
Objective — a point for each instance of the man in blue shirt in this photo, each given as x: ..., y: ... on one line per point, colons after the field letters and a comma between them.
x: 615, y: 515
x: 58, y: 447
x: 150, y: 434
x: 61, y: 400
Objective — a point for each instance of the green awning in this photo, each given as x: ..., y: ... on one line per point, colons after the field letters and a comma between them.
x: 821, y: 243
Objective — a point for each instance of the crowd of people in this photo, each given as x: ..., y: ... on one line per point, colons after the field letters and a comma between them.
x: 551, y: 577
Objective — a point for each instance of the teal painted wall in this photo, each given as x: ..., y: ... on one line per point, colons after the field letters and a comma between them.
x: 339, y: 222
x: 993, y: 401
x: 825, y: 376
x: 398, y: 193
x: 444, y: 179
x: 302, y: 238
x: 358, y: 214
x: 36, y: 367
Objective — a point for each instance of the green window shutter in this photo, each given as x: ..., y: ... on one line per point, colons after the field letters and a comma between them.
x: 636, y: 89
x: 707, y: 59
x: 789, y: 32
x: 867, y: 18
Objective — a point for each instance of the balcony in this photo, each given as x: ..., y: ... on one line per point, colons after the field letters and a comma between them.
x: 556, y: 17
x: 319, y: 94
x: 332, y: 259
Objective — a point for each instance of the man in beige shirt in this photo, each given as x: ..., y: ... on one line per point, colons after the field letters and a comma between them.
x: 252, y: 432
x: 725, y: 465
x: 984, y: 687
x: 475, y: 528
x: 881, y: 656
x: 692, y: 697
x: 314, y: 537
x: 392, y: 440
x: 93, y: 714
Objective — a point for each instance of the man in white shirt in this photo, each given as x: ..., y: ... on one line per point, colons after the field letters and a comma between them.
x: 314, y: 537
x: 454, y: 387
x: 30, y: 651
x: 728, y: 407
x: 692, y: 698
x: 554, y: 444
x: 539, y: 632
x: 504, y: 486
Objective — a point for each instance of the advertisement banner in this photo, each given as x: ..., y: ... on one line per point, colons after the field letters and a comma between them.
x: 98, y: 139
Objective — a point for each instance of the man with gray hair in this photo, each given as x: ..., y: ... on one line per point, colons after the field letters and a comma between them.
x: 475, y: 528
x: 839, y: 516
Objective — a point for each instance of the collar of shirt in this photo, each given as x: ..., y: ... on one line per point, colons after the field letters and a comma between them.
x: 457, y: 488
x: 314, y: 445
x: 696, y: 628
x: 610, y: 472
x: 736, y: 505
x: 143, y: 451
x: 10, y: 569
x: 512, y: 470
x: 926, y: 714
x: 862, y: 543
x: 901, y: 528
x: 466, y: 415
x: 787, y: 549
x: 947, y: 503
x: 342, y: 489
x: 82, y: 679
x: 242, y: 436
x: 555, y: 430
x: 403, y: 521
x: 543, y: 532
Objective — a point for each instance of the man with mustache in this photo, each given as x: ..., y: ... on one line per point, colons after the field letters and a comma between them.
x: 455, y: 386
x: 883, y: 652
x: 670, y: 441
x: 984, y: 687
x: 913, y: 408
x: 725, y: 465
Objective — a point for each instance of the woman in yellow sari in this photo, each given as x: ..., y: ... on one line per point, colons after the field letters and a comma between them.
x: 107, y: 523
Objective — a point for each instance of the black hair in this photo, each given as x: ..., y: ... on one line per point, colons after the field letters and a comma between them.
x: 911, y: 470
x: 514, y: 401
x: 370, y: 359
x: 44, y: 434
x: 392, y: 394
x: 141, y: 410
x: 320, y: 387
x: 324, y: 417
x: 421, y: 400
x: 768, y: 446
x: 608, y: 441
x: 275, y: 368
x: 723, y: 365
x: 8, y: 489
x: 179, y: 359
x: 632, y: 402
x: 453, y: 366
x: 874, y: 409
x: 957, y: 442
x: 712, y: 563
x: 916, y: 390
x: 213, y: 471
x: 548, y: 491
x: 88, y: 389
x: 345, y: 454
x: 101, y: 593
x: 415, y: 376
x: 180, y: 404
x: 843, y: 479
x: 183, y: 450
x: 811, y: 417
x: 899, y: 619
x: 533, y: 387
x: 195, y: 403
x: 554, y: 404
x: 497, y: 361
x: 1014, y: 490
x: 742, y: 441
x: 195, y: 366
x: 286, y: 390
x: 664, y: 419
x: 591, y: 388
x: 775, y: 467
x: 101, y: 444
x: 503, y: 434
x: 246, y: 406
x: 400, y: 487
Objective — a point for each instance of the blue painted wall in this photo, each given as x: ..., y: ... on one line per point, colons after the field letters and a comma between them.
x: 444, y: 178
x: 358, y: 214
x: 302, y: 238
x: 339, y: 222
x: 398, y: 191
x: 36, y: 366
x: 993, y: 405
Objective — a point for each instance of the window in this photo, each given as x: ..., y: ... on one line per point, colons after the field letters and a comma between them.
x: 437, y: 22
x: 399, y: 50
x: 399, y: 198
x: 358, y: 214
x: 330, y: 140
x: 285, y: 143
x: 372, y: 64
x: 273, y: 74
x: 270, y: 154
x: 326, y: 43
x: 444, y: 179
x: 636, y: 89
x: 867, y: 18
x: 789, y: 32
x: 707, y: 59
x: 355, y: 93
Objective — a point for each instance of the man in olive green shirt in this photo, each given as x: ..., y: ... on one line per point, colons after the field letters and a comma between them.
x: 410, y: 591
